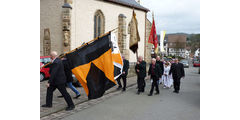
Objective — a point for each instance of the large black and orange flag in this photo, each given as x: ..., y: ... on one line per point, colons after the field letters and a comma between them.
x: 93, y: 66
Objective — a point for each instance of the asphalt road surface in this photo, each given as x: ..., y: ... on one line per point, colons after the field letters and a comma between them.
x: 166, y: 106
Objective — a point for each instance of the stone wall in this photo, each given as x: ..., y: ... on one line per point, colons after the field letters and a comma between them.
x: 51, y: 18
x: 122, y: 33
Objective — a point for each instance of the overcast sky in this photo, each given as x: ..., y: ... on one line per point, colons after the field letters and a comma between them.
x: 174, y: 15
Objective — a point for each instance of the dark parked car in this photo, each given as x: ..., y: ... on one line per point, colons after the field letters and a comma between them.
x: 185, y: 63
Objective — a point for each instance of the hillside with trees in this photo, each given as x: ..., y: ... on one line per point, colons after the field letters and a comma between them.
x: 193, y: 42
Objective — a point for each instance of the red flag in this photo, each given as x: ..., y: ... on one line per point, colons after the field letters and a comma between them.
x: 153, y: 36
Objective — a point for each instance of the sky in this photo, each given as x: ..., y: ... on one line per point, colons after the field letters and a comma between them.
x: 174, y: 16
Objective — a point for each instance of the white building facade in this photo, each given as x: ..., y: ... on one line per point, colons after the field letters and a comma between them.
x: 177, y: 52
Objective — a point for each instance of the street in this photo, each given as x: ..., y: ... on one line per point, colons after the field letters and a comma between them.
x: 166, y: 106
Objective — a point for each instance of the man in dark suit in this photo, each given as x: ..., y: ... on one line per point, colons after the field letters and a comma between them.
x: 124, y: 74
x: 160, y: 63
x: 177, y: 71
x: 69, y: 77
x: 57, y: 80
x: 140, y: 69
x: 155, y: 72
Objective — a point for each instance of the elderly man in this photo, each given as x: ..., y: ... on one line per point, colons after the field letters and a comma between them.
x: 177, y: 71
x: 140, y: 69
x: 155, y: 72
x: 57, y: 80
x: 124, y: 75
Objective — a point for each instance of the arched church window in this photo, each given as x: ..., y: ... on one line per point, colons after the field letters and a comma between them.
x: 99, y: 23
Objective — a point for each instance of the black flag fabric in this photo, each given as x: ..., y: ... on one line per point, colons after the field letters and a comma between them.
x: 93, y: 66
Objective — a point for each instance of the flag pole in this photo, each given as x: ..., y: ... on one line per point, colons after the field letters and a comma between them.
x: 154, y: 46
x: 137, y: 55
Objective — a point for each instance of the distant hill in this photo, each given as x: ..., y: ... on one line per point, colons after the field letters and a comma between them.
x: 189, y: 36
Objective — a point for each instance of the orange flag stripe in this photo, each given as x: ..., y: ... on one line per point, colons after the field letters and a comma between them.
x: 117, y: 58
x: 81, y: 73
x: 105, y: 63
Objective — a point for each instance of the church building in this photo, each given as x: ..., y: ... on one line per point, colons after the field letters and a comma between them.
x: 67, y: 24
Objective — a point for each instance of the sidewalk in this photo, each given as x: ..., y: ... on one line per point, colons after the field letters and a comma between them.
x: 59, y: 104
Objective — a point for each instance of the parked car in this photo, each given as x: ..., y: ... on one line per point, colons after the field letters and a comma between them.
x: 44, y: 72
x: 185, y: 63
x: 195, y: 59
x: 45, y: 59
x: 196, y: 64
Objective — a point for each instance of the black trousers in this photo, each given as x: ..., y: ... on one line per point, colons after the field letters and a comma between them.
x: 124, y: 77
x: 154, y: 84
x: 62, y: 90
x: 176, y: 84
x: 141, y: 84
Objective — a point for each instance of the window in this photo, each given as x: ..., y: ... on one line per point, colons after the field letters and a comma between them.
x: 99, y: 22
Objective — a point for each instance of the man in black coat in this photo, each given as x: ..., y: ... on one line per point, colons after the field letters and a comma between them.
x: 57, y: 80
x: 124, y: 74
x: 68, y: 73
x: 140, y: 69
x: 177, y: 71
x: 155, y: 72
x: 160, y: 63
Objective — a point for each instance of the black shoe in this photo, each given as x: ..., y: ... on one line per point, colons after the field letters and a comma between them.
x: 123, y: 90
x: 157, y: 93
x: 77, y: 96
x: 138, y: 92
x: 47, y: 106
x: 70, y: 108
x: 175, y: 91
x: 149, y: 94
x: 60, y: 96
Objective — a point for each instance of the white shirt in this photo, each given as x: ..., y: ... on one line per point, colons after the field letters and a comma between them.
x: 166, y: 70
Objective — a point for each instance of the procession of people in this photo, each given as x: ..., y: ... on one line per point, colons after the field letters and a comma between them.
x: 160, y: 72
x: 167, y: 73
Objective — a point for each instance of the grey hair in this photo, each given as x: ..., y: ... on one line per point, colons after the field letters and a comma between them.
x: 54, y: 53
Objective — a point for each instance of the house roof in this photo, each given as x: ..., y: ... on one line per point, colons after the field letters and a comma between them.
x: 129, y: 3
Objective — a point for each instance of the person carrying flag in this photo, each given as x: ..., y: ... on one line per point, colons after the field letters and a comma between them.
x: 57, y: 80
x: 140, y: 69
